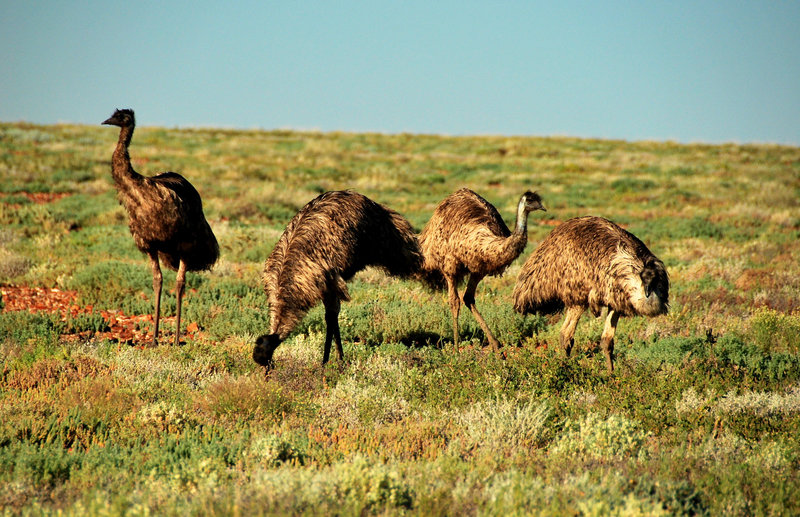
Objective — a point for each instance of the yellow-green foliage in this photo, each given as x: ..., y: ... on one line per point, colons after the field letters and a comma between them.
x: 614, y: 437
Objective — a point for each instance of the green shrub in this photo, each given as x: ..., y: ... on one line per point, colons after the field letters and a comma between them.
x: 671, y: 350
x: 48, y: 464
x: 373, y: 486
x: 115, y: 285
x: 92, y: 322
x: 368, y: 396
x: 37, y: 332
x: 275, y: 450
x: 592, y: 436
x: 501, y: 425
x: 773, y: 331
x: 731, y: 350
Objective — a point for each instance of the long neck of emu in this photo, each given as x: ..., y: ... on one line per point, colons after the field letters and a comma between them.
x: 515, y: 244
x: 121, y: 167
x: 521, y: 226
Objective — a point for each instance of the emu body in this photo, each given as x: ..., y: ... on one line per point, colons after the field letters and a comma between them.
x: 466, y: 236
x: 165, y: 217
x: 590, y: 262
x: 333, y: 237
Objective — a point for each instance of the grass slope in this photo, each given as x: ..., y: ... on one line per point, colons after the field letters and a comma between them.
x: 703, y: 416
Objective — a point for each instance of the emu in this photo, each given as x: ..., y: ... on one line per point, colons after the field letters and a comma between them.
x: 590, y: 262
x: 467, y: 236
x: 165, y: 217
x: 328, y: 241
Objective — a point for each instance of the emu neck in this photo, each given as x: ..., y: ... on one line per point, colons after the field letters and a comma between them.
x: 121, y: 167
x: 521, y: 226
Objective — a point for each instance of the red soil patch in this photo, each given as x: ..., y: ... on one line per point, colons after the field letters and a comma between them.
x: 42, y: 197
x: 122, y: 327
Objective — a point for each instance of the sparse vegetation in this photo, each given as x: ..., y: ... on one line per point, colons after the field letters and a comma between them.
x: 702, y: 416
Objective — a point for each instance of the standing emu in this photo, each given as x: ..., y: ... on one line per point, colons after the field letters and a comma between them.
x: 591, y: 262
x: 165, y: 216
x: 467, y: 236
x: 333, y: 237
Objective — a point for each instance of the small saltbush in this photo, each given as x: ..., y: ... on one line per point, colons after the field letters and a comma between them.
x: 369, y: 395
x: 91, y: 322
x: 732, y: 350
x: 166, y: 417
x: 275, y: 450
x: 503, y: 424
x: 48, y: 463
x: 730, y: 449
x: 353, y: 487
x: 671, y: 350
x: 113, y: 284
x: 26, y: 337
x: 13, y: 265
x: 592, y: 436
x: 774, y: 331
x: 515, y: 493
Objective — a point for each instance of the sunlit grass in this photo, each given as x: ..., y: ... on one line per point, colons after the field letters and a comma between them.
x: 700, y: 418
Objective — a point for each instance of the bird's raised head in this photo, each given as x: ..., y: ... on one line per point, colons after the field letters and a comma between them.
x: 265, y: 347
x: 121, y: 118
x: 531, y: 201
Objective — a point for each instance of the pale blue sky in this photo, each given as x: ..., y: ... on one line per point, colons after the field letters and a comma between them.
x: 695, y: 71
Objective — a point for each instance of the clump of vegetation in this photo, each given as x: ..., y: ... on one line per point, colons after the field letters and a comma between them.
x: 592, y: 436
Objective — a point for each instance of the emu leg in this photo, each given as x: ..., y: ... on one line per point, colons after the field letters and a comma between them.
x: 180, y: 284
x: 568, y: 329
x: 607, y: 339
x: 332, y: 306
x: 157, y: 290
x: 455, y: 306
x: 469, y: 301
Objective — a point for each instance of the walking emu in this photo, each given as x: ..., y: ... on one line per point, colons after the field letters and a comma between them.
x: 590, y: 262
x: 333, y: 237
x: 165, y: 216
x: 467, y: 236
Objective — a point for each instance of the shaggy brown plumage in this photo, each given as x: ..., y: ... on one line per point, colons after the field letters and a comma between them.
x: 590, y: 262
x: 467, y: 236
x: 333, y: 237
x: 165, y: 217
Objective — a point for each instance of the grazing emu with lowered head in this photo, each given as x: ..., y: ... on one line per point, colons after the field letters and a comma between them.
x: 165, y: 216
x: 467, y: 236
x: 333, y: 237
x: 590, y: 262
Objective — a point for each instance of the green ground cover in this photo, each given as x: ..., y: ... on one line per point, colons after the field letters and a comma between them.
x: 702, y: 416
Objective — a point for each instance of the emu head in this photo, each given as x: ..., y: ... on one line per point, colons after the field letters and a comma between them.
x: 121, y: 118
x: 531, y: 201
x: 653, y: 278
x: 265, y: 347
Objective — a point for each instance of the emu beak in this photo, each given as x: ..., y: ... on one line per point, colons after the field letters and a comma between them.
x: 107, y: 121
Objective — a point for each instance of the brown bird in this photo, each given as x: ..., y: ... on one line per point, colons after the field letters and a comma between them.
x: 467, y: 236
x: 333, y: 237
x: 590, y: 262
x: 165, y: 217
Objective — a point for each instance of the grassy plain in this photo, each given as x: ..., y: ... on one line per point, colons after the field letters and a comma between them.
x: 702, y: 417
